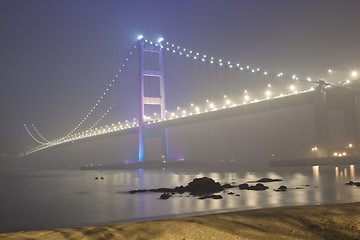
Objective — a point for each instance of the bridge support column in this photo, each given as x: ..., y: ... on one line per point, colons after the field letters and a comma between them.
x: 321, y: 121
x: 351, y: 125
x: 152, y: 96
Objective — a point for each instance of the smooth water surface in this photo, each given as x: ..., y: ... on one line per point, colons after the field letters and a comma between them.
x: 53, y: 199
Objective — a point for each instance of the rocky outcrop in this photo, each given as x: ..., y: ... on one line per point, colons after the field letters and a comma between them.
x: 351, y: 183
x: 244, y: 186
x: 165, y: 196
x: 281, y: 189
x: 211, y: 196
x: 198, y: 186
x: 203, y: 185
x: 227, y: 185
x: 268, y: 180
x: 257, y: 187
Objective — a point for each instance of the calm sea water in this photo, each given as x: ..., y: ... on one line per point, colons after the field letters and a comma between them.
x: 52, y: 199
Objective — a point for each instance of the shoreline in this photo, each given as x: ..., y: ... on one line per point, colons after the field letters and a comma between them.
x: 334, y: 221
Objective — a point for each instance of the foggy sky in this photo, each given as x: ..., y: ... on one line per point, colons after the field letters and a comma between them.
x: 57, y: 56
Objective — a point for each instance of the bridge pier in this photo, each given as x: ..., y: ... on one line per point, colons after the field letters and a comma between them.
x: 351, y: 113
x: 152, y: 103
x: 321, y: 121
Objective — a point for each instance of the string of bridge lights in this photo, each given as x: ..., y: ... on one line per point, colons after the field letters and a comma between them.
x: 107, y: 111
x: 32, y: 136
x: 110, y: 85
x: 194, y: 110
x: 177, y: 49
x: 39, y: 133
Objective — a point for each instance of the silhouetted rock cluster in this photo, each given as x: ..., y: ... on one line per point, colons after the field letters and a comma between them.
x: 353, y: 183
x: 268, y: 180
x: 203, y: 185
x: 257, y: 187
x: 227, y: 185
x: 165, y: 196
x: 281, y: 189
x: 198, y: 186
x: 211, y: 196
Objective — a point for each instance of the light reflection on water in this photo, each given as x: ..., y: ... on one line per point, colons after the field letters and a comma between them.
x: 39, y: 200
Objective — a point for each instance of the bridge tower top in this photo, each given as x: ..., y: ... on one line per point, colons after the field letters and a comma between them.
x: 152, y: 82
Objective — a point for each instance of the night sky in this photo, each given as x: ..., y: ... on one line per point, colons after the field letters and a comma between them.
x: 56, y: 57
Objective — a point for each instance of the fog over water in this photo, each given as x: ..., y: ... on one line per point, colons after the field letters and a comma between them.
x: 52, y: 199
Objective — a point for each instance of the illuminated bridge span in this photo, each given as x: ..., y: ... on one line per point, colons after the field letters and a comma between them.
x: 198, y: 88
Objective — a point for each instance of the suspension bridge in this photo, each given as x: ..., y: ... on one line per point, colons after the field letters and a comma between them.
x: 154, y: 90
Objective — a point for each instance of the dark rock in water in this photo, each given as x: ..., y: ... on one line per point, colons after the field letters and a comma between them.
x: 226, y: 185
x: 165, y: 196
x: 299, y: 188
x: 231, y: 193
x: 350, y: 183
x: 198, y: 186
x: 244, y: 186
x: 211, y: 196
x: 258, y: 187
x: 96, y: 178
x: 101, y: 178
x: 281, y: 189
x: 216, y: 197
x: 203, y: 185
x: 180, y: 189
x: 268, y: 180
x: 137, y: 191
x: 238, y: 195
x: 161, y: 190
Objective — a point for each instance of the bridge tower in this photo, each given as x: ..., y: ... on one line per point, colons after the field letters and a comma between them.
x: 151, y: 101
x: 321, y: 120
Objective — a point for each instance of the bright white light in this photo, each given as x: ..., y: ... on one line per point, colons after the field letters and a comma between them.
x: 140, y: 37
x: 160, y: 40
x: 228, y: 101
x: 246, y: 98
x: 354, y: 74
x: 329, y: 70
x: 212, y: 105
x: 292, y: 87
x: 269, y: 85
x: 268, y: 93
x: 309, y: 79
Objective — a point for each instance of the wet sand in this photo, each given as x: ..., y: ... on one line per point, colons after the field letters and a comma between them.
x: 339, y: 221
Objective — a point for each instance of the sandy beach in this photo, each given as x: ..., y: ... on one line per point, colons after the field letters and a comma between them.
x: 339, y: 221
